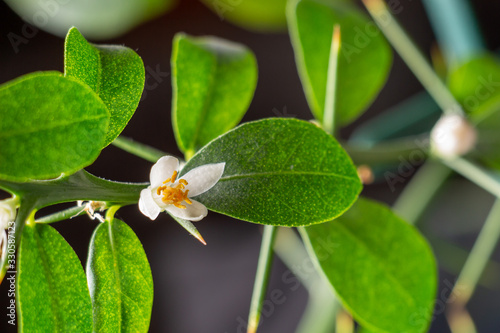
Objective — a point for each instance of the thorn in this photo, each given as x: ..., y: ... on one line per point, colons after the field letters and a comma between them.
x: 200, y: 238
x: 336, y: 38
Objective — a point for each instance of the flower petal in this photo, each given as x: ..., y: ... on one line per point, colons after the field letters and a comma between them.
x: 162, y: 170
x: 203, y: 178
x: 193, y: 212
x: 147, y: 205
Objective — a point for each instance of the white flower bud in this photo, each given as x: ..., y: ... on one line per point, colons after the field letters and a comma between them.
x: 452, y: 136
x: 8, y: 209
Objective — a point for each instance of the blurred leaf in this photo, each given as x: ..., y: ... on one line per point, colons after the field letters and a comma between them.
x: 96, y: 19
x: 284, y: 172
x: 382, y: 269
x: 115, y: 73
x: 120, y: 280
x: 213, y: 82
x: 364, y: 60
x: 476, y: 85
x: 258, y: 15
x: 52, y: 292
x: 50, y: 125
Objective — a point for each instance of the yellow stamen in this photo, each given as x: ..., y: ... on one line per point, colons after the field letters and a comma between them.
x: 174, y: 195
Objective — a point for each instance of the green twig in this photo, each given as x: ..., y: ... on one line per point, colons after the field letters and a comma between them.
x: 481, y: 177
x: 331, y: 83
x: 139, y: 149
x: 62, y: 215
x: 479, y: 256
x: 390, y: 151
x: 261, y: 277
x: 419, y: 192
x: 412, y: 56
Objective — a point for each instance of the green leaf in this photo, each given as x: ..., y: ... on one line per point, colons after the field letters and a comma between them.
x: 52, y: 292
x: 282, y: 172
x: 115, y: 73
x: 50, y: 125
x: 258, y: 15
x: 120, y: 280
x: 382, y: 269
x: 476, y: 85
x: 213, y: 84
x: 364, y: 59
x: 95, y: 18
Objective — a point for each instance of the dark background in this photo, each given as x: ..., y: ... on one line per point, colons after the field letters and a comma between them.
x: 204, y: 289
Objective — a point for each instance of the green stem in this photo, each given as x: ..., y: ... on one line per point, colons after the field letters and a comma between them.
x: 331, y: 83
x: 319, y: 316
x: 261, y: 277
x: 481, y: 177
x: 62, y: 215
x: 139, y: 149
x: 388, y: 151
x: 479, y: 256
x: 419, y: 192
x: 412, y: 56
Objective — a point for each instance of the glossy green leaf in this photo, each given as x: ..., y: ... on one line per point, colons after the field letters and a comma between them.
x: 213, y: 83
x: 381, y: 268
x: 97, y: 19
x: 364, y: 59
x: 284, y: 172
x: 258, y: 15
x: 115, y: 73
x: 50, y: 125
x: 52, y: 292
x: 120, y: 280
x: 476, y: 85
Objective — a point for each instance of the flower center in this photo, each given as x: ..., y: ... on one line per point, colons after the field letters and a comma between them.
x: 174, y: 195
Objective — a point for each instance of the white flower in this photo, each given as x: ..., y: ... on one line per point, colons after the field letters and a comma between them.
x: 8, y: 208
x: 166, y: 192
x: 452, y: 136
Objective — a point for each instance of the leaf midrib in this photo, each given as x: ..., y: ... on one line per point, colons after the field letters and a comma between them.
x: 116, y: 273
x: 290, y: 173
x: 50, y: 126
x: 54, y: 304
x: 206, y: 105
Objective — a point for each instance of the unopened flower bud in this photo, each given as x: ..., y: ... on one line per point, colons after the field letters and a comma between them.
x: 452, y: 136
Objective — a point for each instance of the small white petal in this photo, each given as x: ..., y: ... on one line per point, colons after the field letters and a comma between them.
x: 162, y: 170
x: 203, y: 178
x: 147, y: 205
x: 193, y: 212
x: 7, y: 212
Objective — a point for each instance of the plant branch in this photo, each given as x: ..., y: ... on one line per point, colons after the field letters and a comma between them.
x: 62, y: 215
x: 412, y: 56
x: 331, y: 83
x: 479, y: 256
x: 261, y: 277
x: 419, y: 192
x: 481, y: 177
x: 138, y: 149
